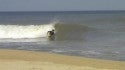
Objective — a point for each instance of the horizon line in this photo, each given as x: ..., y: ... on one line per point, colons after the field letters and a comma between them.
x: 72, y: 11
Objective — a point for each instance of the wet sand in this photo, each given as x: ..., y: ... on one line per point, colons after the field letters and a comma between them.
x: 30, y: 60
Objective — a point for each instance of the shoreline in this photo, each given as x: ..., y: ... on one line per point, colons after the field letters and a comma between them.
x: 32, y: 60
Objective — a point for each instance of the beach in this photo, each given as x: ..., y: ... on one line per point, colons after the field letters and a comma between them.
x: 30, y: 60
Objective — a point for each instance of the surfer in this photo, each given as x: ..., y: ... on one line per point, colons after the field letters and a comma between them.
x: 51, y: 35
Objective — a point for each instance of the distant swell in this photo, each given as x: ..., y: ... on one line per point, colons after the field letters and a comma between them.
x: 24, y: 31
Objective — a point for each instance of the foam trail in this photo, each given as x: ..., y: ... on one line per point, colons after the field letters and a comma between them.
x: 27, y: 31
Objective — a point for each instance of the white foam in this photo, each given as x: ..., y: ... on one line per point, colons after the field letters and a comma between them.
x: 28, y: 31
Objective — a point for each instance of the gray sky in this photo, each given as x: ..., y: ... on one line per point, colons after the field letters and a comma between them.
x: 61, y: 5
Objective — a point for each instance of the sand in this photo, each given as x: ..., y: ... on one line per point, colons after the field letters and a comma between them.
x: 30, y: 60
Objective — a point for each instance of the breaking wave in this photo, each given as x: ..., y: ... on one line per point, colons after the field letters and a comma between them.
x: 63, y: 31
x: 24, y: 31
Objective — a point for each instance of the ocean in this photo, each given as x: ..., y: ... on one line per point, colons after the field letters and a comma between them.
x: 93, y: 34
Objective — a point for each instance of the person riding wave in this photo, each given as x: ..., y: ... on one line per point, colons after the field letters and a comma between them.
x: 51, y: 35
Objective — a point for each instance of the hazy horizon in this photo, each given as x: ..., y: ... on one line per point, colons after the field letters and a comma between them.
x: 72, y: 11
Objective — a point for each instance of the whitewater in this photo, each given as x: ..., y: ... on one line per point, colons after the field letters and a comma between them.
x: 27, y: 31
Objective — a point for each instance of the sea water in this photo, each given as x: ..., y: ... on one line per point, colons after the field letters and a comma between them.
x: 95, y: 34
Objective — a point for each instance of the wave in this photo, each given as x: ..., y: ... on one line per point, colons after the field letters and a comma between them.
x: 24, y: 31
x: 63, y: 31
x: 70, y: 31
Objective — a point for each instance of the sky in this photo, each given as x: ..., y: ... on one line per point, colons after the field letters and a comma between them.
x: 61, y: 5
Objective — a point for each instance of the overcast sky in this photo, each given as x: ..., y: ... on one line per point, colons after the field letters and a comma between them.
x: 61, y: 5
